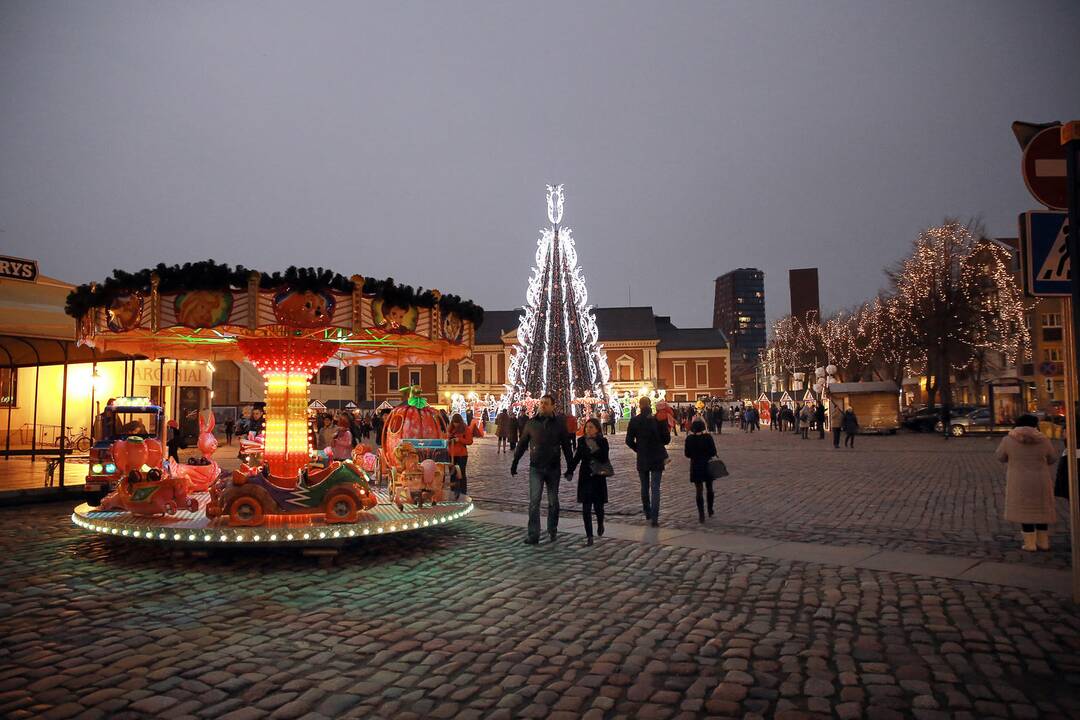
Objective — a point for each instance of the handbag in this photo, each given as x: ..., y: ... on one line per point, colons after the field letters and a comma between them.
x: 601, y: 469
x: 717, y: 469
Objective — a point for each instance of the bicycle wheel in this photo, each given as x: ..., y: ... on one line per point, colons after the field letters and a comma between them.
x: 83, y: 444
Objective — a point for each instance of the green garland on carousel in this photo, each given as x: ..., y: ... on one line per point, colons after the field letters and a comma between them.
x: 210, y: 275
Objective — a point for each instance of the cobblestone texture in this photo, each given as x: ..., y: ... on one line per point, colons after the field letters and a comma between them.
x: 910, y: 492
x: 467, y: 621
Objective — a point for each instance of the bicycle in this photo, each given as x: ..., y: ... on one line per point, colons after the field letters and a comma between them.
x: 79, y: 443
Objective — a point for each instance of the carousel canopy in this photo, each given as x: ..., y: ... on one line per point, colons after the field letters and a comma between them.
x: 208, y: 311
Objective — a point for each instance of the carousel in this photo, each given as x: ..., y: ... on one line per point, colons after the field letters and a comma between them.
x: 288, y: 325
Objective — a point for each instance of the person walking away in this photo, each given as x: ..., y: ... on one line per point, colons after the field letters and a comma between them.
x: 502, y: 429
x: 756, y: 417
x: 647, y: 436
x: 511, y: 430
x: 775, y: 421
x: 544, y: 436
x: 850, y: 426
x: 173, y: 442
x: 591, y: 456
x: 1029, y: 487
x: 700, y: 448
x: 805, y: 417
x: 819, y: 418
x: 460, y: 437
x: 230, y: 428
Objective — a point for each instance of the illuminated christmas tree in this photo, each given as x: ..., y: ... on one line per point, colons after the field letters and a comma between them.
x: 557, y: 351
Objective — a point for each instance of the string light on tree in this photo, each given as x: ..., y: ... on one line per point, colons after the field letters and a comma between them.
x: 558, y: 352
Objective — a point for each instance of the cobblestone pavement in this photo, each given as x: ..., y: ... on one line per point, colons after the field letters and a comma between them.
x: 910, y: 492
x: 466, y: 621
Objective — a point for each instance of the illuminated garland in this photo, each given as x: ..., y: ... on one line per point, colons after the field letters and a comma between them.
x: 954, y: 297
x: 558, y: 352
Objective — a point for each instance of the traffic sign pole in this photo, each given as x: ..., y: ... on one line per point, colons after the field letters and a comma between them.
x: 1070, y: 138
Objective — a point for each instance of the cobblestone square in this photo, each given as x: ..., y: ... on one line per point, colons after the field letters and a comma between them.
x: 466, y: 621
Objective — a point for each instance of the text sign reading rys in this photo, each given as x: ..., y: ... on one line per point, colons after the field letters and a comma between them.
x: 14, y: 268
x: 1044, y: 252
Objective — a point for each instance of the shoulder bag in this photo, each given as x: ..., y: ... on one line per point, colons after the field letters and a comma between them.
x: 717, y: 469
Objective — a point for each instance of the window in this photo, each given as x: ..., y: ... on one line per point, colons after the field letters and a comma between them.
x: 702, y: 374
x: 679, y: 397
x: 392, y: 382
x: 624, y: 368
x: 466, y: 372
x: 343, y: 377
x: 328, y: 375
x: 1051, y: 320
x: 1052, y: 355
x: 414, y: 376
x: 679, y: 374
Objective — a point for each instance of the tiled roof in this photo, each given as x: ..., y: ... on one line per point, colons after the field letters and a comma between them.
x: 616, y: 324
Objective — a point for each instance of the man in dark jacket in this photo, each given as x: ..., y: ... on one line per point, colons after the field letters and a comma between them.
x: 647, y: 436
x: 544, y: 436
x: 819, y: 418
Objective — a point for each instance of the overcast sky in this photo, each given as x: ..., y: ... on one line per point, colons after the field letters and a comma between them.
x: 414, y: 140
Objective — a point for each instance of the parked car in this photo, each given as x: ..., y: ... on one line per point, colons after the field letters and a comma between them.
x: 975, y: 421
x: 928, y: 419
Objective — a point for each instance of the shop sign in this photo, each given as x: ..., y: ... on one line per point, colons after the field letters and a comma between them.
x: 12, y: 268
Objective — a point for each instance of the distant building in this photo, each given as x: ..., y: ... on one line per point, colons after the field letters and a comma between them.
x: 739, y: 311
x: 643, y: 350
x: 803, y: 284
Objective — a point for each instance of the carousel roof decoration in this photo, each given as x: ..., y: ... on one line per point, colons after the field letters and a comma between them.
x: 209, y: 311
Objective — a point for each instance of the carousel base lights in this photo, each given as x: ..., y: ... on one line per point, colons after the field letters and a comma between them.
x: 193, y: 529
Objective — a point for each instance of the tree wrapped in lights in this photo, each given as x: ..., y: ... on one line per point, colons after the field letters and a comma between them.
x: 557, y: 351
x: 957, y: 295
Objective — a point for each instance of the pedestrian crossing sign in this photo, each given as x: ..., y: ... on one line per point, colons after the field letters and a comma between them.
x: 1044, y: 254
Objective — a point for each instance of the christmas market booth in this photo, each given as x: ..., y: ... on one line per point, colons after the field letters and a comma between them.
x: 876, y: 404
x: 288, y: 325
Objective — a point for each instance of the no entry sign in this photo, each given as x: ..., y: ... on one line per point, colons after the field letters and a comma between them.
x: 1043, y: 167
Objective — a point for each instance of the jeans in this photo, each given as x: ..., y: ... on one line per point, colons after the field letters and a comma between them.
x: 650, y: 503
x: 538, y: 479
x: 587, y: 510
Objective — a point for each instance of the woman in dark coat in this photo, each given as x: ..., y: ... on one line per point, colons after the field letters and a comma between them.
x: 592, y: 447
x: 700, y: 448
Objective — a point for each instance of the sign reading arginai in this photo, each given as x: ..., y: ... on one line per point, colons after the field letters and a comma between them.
x: 14, y: 268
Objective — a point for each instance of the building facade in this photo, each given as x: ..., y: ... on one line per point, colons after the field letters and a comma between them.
x: 805, y: 299
x: 643, y: 351
x: 739, y: 312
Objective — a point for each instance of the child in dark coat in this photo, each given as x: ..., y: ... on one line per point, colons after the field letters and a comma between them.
x: 592, y: 449
x: 700, y: 448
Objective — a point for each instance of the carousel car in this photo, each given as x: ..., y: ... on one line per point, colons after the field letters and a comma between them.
x: 338, y: 492
x: 135, y: 417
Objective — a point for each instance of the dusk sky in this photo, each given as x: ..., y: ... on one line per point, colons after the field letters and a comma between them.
x: 414, y: 140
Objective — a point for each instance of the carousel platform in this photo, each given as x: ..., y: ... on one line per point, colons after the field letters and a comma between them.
x: 194, y: 529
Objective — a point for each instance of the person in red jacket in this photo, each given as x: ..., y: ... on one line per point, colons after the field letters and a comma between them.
x: 460, y: 438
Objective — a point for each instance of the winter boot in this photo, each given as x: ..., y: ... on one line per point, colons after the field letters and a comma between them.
x: 1029, y: 542
x: 1042, y: 539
